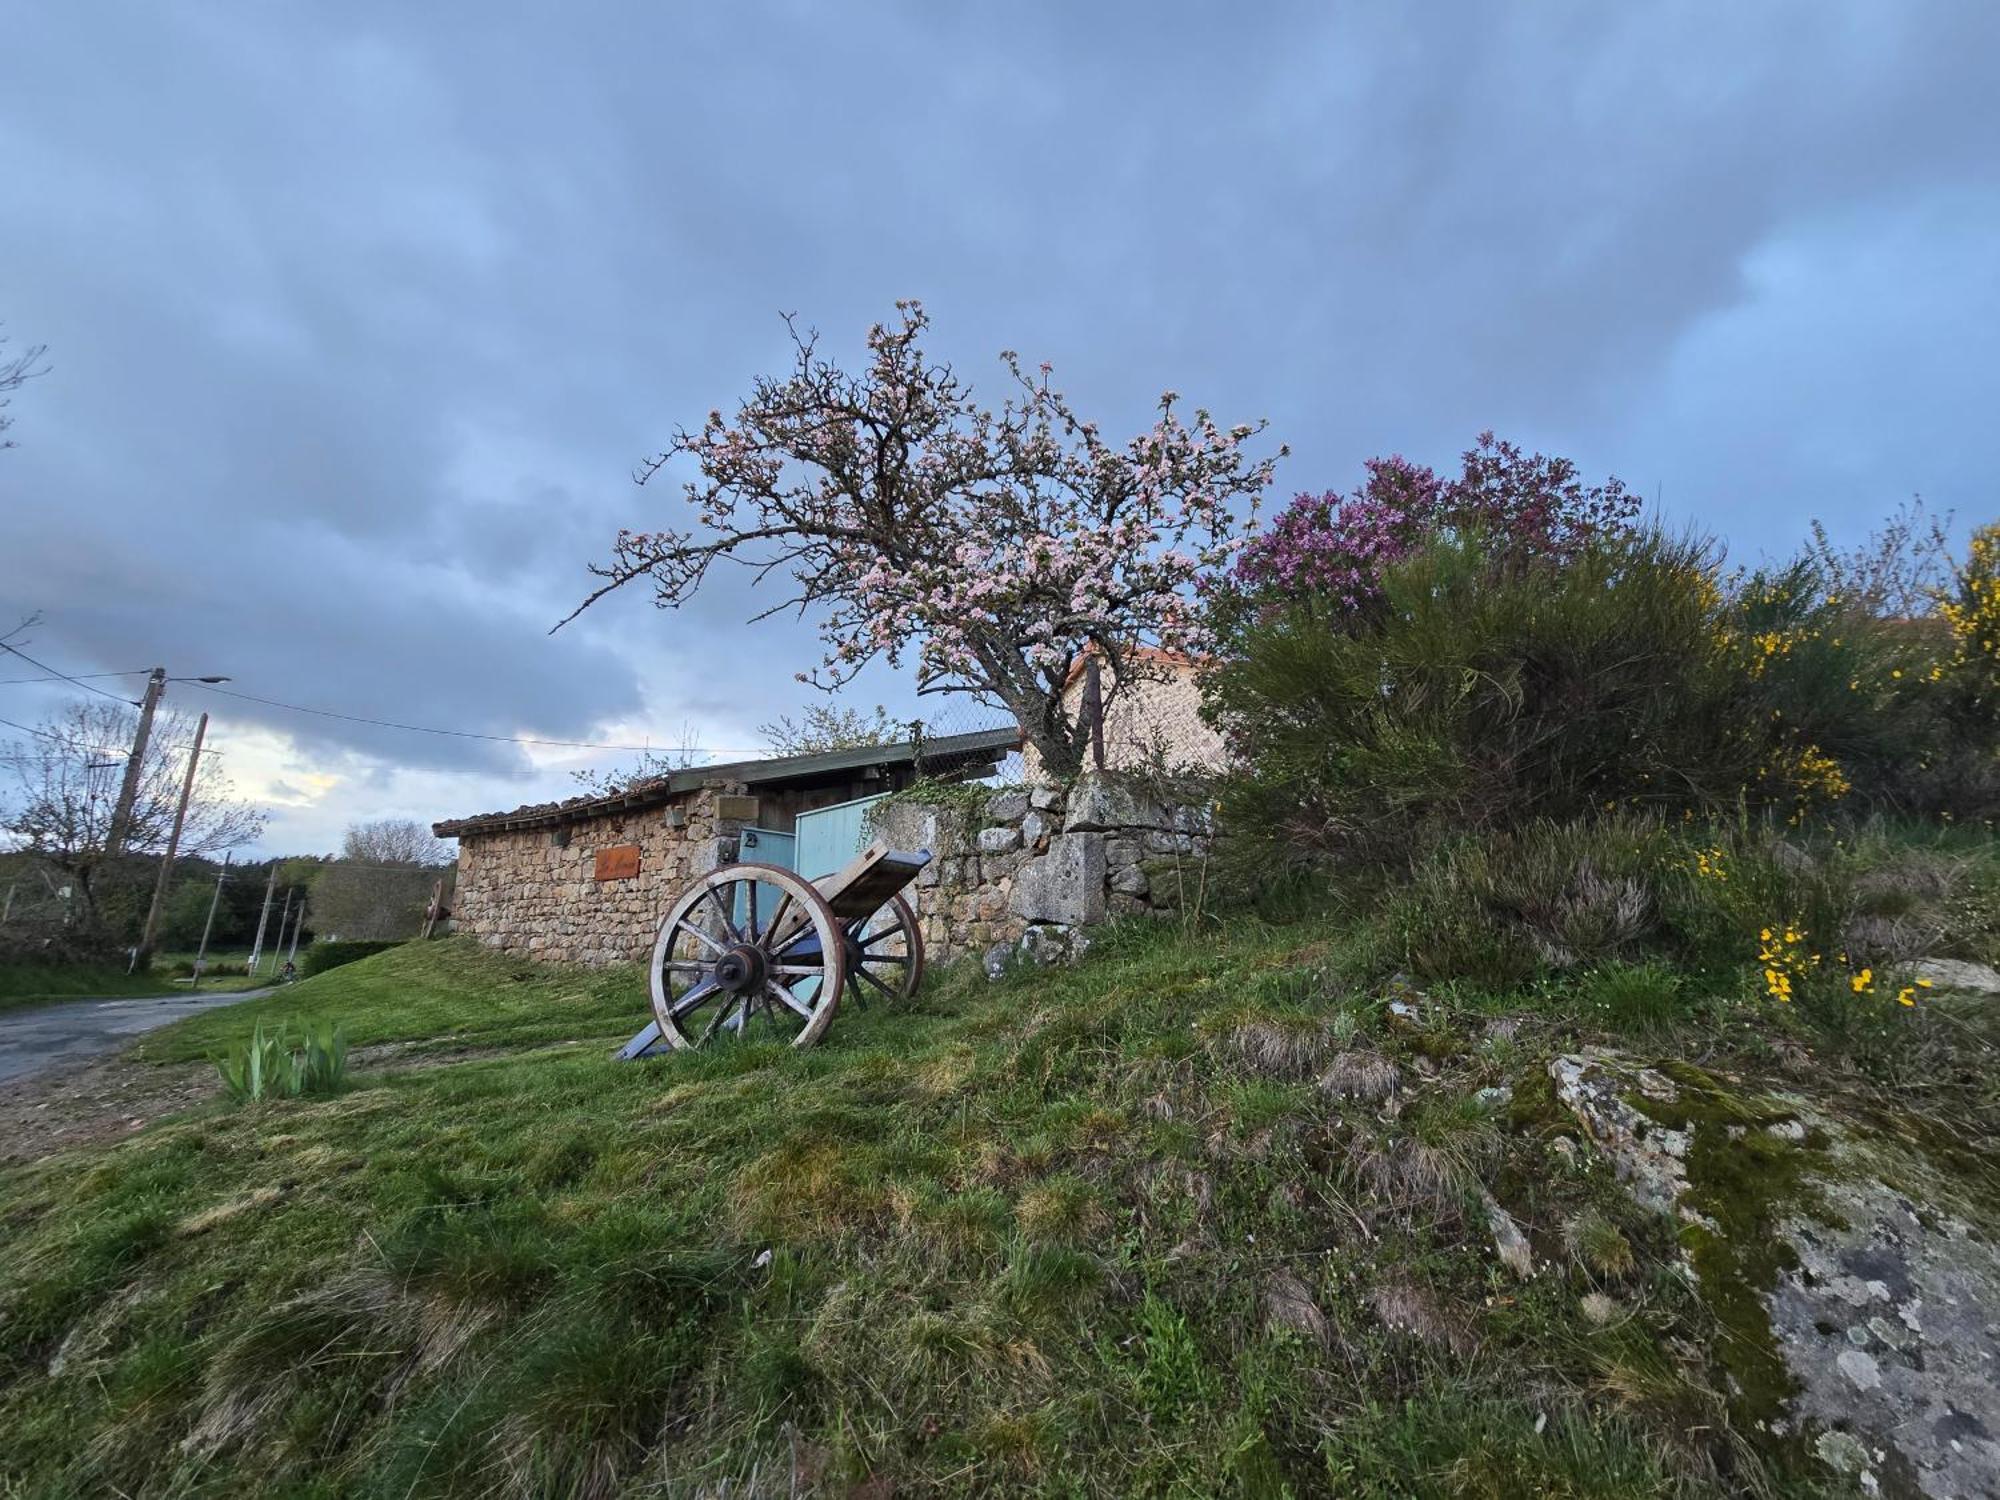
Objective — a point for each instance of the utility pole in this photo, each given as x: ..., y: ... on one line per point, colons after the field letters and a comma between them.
x: 201, y: 953
x: 173, y: 842
x: 298, y: 925
x: 283, y: 918
x: 264, y: 916
x: 128, y: 790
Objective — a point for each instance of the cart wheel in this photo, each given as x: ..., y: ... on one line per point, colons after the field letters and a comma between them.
x: 885, y: 954
x: 734, y: 954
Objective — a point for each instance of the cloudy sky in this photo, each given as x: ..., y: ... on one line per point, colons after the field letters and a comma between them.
x: 360, y: 315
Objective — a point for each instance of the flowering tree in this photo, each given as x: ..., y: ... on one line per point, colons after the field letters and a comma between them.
x: 995, y: 547
x: 1330, y: 549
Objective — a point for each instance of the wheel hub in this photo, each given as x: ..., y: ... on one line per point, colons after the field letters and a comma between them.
x: 740, y: 968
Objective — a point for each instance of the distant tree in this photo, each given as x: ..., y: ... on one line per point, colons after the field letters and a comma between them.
x: 395, y: 841
x: 1899, y: 572
x: 830, y: 726
x: 380, y: 885
x: 66, y: 777
x: 16, y: 371
x: 997, y: 547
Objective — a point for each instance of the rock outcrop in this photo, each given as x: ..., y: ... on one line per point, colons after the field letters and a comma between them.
x: 1861, y: 1324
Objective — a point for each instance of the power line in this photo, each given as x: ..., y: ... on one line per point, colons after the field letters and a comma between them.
x: 81, y: 682
x: 462, y: 734
x: 65, y: 677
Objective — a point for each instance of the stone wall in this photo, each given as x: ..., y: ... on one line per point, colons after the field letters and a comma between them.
x: 535, y: 891
x: 1028, y: 870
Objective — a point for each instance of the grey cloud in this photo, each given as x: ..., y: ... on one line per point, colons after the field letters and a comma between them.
x: 361, y: 316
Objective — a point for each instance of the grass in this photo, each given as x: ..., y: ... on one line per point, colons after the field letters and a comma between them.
x: 23, y: 985
x: 1199, y: 1217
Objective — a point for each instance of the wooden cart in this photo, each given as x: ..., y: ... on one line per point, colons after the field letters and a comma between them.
x: 755, y: 947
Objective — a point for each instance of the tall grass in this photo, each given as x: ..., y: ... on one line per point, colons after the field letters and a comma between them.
x: 269, y: 1066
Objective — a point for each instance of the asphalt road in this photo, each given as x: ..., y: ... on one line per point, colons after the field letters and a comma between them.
x: 87, y: 1030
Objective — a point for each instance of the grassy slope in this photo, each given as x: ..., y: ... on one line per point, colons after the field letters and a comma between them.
x: 1096, y: 1232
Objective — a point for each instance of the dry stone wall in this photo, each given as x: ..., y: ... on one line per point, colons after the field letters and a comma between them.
x: 1027, y: 871
x: 535, y: 891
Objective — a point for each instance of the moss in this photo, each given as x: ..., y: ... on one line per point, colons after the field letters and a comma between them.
x: 1745, y: 1182
x: 1534, y: 1107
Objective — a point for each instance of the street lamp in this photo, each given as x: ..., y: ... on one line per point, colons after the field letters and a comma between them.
x: 128, y: 791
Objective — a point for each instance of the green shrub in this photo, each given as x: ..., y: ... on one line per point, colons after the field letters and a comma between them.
x: 331, y: 955
x: 1489, y: 691
x: 1486, y: 696
x: 267, y: 1066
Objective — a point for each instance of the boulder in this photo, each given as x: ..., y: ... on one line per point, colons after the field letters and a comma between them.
x: 1065, y: 885
x: 1854, y: 1318
x: 1956, y: 974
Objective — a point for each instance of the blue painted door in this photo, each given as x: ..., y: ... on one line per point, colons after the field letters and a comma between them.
x: 763, y: 847
x: 828, y: 837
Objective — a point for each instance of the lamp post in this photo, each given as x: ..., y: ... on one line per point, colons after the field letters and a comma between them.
x: 128, y: 790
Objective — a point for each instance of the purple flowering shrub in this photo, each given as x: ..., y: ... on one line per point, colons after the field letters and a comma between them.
x: 1330, y: 550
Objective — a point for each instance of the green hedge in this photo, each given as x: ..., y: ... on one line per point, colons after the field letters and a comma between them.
x: 323, y: 956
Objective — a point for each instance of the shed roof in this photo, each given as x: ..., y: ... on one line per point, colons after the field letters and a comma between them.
x: 954, y: 752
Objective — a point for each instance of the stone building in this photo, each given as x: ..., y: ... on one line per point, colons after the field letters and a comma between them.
x: 588, y: 880
x: 1153, y: 721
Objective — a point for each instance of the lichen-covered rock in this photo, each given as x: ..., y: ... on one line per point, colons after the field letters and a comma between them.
x: 1008, y: 805
x: 1649, y: 1158
x: 1066, y: 885
x: 1099, y: 803
x: 1890, y: 1324
x: 1957, y: 974
x: 1854, y: 1317
x: 999, y: 840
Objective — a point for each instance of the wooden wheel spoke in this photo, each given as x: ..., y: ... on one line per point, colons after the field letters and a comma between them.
x: 885, y: 958
x: 722, y: 910
x: 791, y: 1001
x: 684, y: 925
x: 796, y: 971
x: 861, y: 972
x: 694, y: 999
x: 778, y: 916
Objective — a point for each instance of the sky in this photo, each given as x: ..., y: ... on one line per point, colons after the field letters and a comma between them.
x: 360, y: 316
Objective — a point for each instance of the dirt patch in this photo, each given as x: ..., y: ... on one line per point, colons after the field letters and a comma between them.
x: 59, y: 1108
x: 90, y: 1103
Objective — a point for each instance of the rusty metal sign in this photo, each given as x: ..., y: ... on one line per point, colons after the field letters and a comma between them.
x: 619, y: 862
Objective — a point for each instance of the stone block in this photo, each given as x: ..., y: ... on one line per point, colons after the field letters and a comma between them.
x: 1065, y: 885
x: 1035, y: 827
x: 1045, y: 798
x: 1129, y: 880
x: 910, y: 825
x: 712, y: 854
x: 999, y: 840
x: 1097, y: 803
x: 1007, y: 806
x: 738, y: 808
